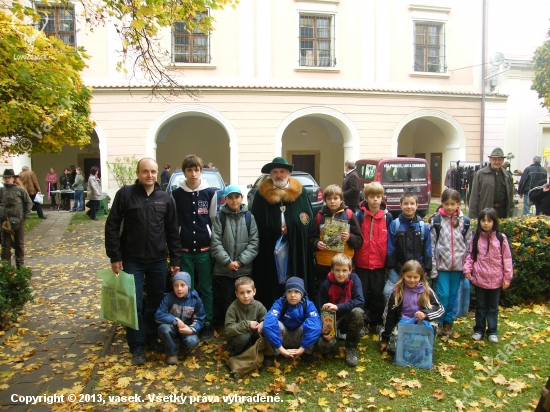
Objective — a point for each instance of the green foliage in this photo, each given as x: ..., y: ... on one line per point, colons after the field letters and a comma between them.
x: 541, y: 81
x: 15, y: 292
x: 124, y: 170
x: 44, y: 104
x: 529, y: 239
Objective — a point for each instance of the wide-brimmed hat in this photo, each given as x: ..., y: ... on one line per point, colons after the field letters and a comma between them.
x: 9, y: 173
x: 498, y: 153
x: 278, y: 162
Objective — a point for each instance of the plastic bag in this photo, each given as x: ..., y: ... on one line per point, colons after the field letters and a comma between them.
x: 282, y: 249
x: 462, y: 301
x: 415, y: 344
x: 39, y: 198
x: 118, y: 298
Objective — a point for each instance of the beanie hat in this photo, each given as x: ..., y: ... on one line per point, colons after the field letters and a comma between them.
x: 295, y: 283
x: 182, y: 276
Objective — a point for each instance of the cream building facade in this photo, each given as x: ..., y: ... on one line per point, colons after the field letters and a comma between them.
x: 317, y: 81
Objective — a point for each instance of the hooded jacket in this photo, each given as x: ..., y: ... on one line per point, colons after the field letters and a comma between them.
x: 150, y: 225
x: 239, y: 315
x: 450, y: 250
x: 324, y: 257
x: 293, y: 319
x: 493, y: 265
x: 196, y: 208
x: 189, y: 309
x: 234, y: 243
x: 483, y: 192
x: 374, y: 229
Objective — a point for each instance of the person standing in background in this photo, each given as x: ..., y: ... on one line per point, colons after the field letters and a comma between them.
x: 65, y: 184
x: 30, y: 183
x: 51, y: 179
x: 78, y: 187
x: 94, y: 192
x: 350, y: 187
x: 529, y: 179
x: 165, y: 177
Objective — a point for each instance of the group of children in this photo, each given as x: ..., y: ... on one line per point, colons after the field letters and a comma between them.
x: 407, y: 248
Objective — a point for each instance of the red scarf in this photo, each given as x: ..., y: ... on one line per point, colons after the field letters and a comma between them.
x: 339, y: 292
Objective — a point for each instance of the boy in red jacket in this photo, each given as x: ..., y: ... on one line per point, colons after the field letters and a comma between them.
x: 370, y: 258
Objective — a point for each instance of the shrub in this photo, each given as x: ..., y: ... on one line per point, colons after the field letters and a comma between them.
x: 14, y: 292
x: 123, y: 170
x: 529, y: 239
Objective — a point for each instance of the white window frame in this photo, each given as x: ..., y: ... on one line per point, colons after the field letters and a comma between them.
x: 192, y: 64
x: 333, y: 67
x: 442, y: 57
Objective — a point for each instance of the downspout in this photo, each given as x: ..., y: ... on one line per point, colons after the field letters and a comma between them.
x: 483, y: 34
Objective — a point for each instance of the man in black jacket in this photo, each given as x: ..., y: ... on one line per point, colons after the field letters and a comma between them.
x: 529, y: 179
x: 350, y: 187
x: 147, y: 216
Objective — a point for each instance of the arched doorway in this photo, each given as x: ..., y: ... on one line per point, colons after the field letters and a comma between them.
x: 434, y: 136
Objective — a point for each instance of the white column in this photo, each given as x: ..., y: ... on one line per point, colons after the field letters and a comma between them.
x: 263, y: 38
x: 367, y: 35
x: 383, y: 36
x: 246, y: 39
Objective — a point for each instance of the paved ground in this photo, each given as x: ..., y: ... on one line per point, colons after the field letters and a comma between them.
x: 59, y: 337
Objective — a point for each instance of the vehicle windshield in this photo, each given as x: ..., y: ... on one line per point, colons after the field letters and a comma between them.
x: 403, y: 172
x: 304, y: 180
x: 210, y: 178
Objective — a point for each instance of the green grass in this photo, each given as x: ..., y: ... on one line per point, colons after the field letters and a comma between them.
x: 81, y: 217
x: 31, y: 222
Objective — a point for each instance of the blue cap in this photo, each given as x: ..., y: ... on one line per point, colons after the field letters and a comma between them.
x: 232, y: 189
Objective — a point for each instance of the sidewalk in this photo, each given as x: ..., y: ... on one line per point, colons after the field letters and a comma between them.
x: 59, y: 337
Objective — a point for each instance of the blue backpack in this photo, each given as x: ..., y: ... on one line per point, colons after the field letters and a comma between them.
x: 397, y: 223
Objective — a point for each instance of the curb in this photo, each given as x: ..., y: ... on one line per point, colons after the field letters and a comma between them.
x: 88, y: 388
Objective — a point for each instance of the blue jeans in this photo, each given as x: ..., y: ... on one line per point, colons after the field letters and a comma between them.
x: 203, y: 262
x: 393, y: 277
x: 78, y: 200
x: 152, y: 277
x: 526, y: 205
x: 169, y: 334
x: 446, y: 290
x: 486, y: 310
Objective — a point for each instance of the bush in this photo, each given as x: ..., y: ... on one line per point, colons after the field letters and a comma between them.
x: 14, y: 292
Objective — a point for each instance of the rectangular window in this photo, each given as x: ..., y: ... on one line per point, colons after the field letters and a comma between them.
x: 317, y: 40
x: 58, y: 22
x: 190, y: 46
x: 429, y: 47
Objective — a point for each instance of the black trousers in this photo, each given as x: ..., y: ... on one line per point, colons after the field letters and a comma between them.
x: 373, y: 287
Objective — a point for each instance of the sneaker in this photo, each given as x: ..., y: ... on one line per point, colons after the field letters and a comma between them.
x: 207, y: 332
x: 138, y: 357
x: 493, y: 338
x: 446, y: 330
x: 155, y: 346
x: 351, y: 357
x: 309, y: 358
x: 172, y: 360
x: 364, y: 331
x: 269, y: 360
x: 477, y: 336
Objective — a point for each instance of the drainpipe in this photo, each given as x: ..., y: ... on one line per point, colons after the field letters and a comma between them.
x: 483, y: 34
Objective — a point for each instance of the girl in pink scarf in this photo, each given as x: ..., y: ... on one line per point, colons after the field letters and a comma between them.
x: 51, y: 179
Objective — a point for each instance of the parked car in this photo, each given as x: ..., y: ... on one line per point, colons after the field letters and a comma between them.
x: 213, y: 178
x: 314, y: 192
x: 398, y: 175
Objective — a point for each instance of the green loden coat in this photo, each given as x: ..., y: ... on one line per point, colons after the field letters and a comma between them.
x: 266, y: 209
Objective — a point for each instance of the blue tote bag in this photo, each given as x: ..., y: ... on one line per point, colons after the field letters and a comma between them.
x: 281, y: 258
x: 462, y: 301
x: 415, y: 344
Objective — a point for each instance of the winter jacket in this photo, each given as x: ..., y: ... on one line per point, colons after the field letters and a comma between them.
x: 94, y: 188
x: 350, y: 188
x: 451, y: 249
x: 51, y: 178
x: 65, y: 182
x: 530, y: 177
x: 239, y: 315
x: 78, y: 183
x: 234, y: 243
x: 150, y: 224
x: 392, y: 314
x: 483, y: 191
x: 540, y: 198
x: 357, y: 299
x: 316, y: 233
x: 164, y: 178
x: 14, y: 202
x: 374, y: 229
x: 493, y: 266
x: 195, y: 209
x: 189, y: 309
x: 30, y: 182
x: 406, y: 244
x: 293, y: 319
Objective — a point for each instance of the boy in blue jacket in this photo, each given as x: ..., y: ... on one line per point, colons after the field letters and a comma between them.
x: 342, y: 292
x: 292, y: 325
x: 181, y: 315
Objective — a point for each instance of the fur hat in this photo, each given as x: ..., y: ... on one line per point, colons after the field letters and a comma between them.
x: 295, y: 283
x: 182, y: 276
x: 278, y: 162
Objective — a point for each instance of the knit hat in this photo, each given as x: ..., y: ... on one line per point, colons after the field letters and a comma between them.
x: 183, y: 276
x: 295, y: 283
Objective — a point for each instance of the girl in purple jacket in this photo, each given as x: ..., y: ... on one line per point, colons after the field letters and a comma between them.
x: 489, y: 268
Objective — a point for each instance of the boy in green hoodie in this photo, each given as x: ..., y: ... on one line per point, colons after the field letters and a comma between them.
x: 244, y: 318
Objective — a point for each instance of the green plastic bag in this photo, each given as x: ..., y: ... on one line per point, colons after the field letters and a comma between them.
x: 118, y: 298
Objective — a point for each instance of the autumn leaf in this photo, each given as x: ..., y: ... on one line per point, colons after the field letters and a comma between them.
x: 387, y: 392
x: 438, y: 394
x: 360, y: 369
x: 516, y: 385
x: 322, y: 402
x: 210, y: 377
x: 342, y: 374
x: 500, y: 380
x: 4, y: 386
x: 459, y: 405
x: 293, y: 388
